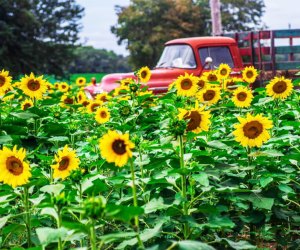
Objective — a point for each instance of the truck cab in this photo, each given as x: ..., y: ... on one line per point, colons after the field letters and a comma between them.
x: 193, y: 55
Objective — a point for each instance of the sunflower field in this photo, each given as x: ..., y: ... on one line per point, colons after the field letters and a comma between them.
x: 211, y: 164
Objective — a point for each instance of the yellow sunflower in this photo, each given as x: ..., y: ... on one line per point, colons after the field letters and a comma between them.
x: 223, y: 70
x: 144, y: 74
x: 80, y: 81
x: 26, y: 104
x: 126, y: 81
x: 32, y: 86
x: 66, y: 101
x: 202, y: 83
x: 198, y: 119
x: 122, y: 89
x: 249, y: 74
x: 102, y: 115
x: 116, y: 148
x: 14, y: 171
x: 64, y: 87
x: 93, y: 105
x: 279, y: 87
x: 242, y: 97
x: 210, y: 95
x: 104, y: 97
x: 186, y: 85
x: 230, y: 84
x: 80, y: 97
x: 211, y: 76
x: 252, y: 130
x: 66, y: 161
x: 5, y: 82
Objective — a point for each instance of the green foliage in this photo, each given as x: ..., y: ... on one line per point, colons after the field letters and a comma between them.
x: 203, y: 192
x: 38, y: 36
x: 90, y: 60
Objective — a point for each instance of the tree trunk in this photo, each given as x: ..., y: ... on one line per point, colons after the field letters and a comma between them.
x: 215, y: 10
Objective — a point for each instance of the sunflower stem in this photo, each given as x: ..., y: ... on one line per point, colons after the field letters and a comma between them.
x: 27, y: 215
x: 93, y: 235
x: 135, y: 204
x: 59, y: 220
x: 183, y: 187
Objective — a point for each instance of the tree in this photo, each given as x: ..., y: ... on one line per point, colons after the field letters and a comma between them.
x: 144, y: 26
x: 38, y: 35
x: 90, y: 60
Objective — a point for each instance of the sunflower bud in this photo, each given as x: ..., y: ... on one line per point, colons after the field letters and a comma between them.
x: 133, y: 87
x: 60, y: 200
x: 125, y: 110
x: 94, y: 207
x: 177, y: 127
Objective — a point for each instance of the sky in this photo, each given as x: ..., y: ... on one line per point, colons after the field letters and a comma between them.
x: 100, y: 15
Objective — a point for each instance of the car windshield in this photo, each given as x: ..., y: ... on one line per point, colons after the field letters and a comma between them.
x: 217, y: 54
x: 177, y: 56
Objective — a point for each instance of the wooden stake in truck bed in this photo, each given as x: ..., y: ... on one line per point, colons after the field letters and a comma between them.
x: 191, y: 55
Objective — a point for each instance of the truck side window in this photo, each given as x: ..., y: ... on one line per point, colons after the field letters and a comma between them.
x: 218, y: 54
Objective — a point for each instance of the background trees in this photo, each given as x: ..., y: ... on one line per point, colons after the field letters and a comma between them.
x: 38, y: 35
x: 144, y: 25
x: 90, y: 60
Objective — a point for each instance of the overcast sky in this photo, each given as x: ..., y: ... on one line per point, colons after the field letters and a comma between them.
x: 100, y: 15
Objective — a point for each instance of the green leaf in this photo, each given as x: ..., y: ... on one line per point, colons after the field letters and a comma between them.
x: 239, y: 245
x: 154, y: 205
x: 50, y: 211
x: 58, y: 138
x: 24, y: 115
x: 286, y: 189
x: 123, y: 213
x: 202, y: 178
x: 261, y: 202
x: 264, y: 181
x: 193, y: 245
x: 47, y: 235
x: 5, y: 139
x: 108, y: 238
x: 54, y: 189
x: 3, y: 220
x: 220, y: 222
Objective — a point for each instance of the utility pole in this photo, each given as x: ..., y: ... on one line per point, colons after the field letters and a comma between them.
x: 215, y: 11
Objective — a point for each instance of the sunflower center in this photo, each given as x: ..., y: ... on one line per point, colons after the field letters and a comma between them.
x: 253, y: 129
x: 223, y: 72
x: 279, y: 87
x: 209, y: 95
x: 103, y: 114
x: 194, y: 120
x: 201, y: 84
x: 85, y: 103
x: 143, y: 74
x: 94, y: 107
x: 119, y: 147
x: 79, y: 97
x: 80, y: 81
x: 64, y: 163
x: 14, y: 165
x: 249, y: 74
x: 26, y: 106
x: 241, y: 96
x: 186, y: 84
x: 2, y: 81
x: 68, y: 100
x: 33, y: 85
x: 212, y: 78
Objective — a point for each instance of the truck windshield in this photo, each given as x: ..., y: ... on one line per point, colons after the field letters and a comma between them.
x: 177, y: 56
x: 218, y: 54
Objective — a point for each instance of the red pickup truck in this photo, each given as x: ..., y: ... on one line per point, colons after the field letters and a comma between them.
x: 199, y: 54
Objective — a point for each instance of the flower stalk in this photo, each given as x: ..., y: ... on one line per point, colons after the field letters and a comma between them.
x: 27, y: 215
x: 135, y: 204
x: 183, y: 186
